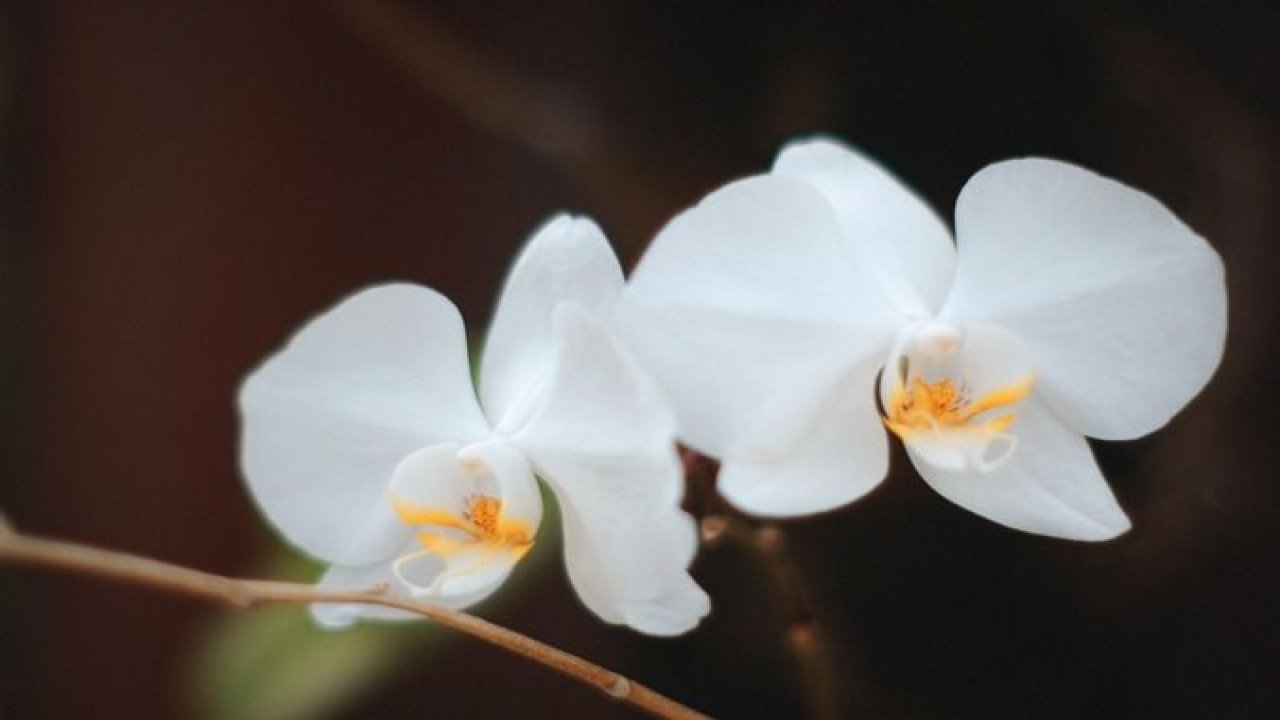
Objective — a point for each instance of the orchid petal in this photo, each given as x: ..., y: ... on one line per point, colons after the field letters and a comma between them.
x: 328, y: 418
x: 442, y: 478
x: 746, y: 296
x: 629, y: 567
x: 1122, y: 306
x: 735, y: 380
x: 897, y: 233
x: 841, y: 456
x: 601, y: 406
x: 1051, y: 484
x: 567, y: 260
x: 603, y: 441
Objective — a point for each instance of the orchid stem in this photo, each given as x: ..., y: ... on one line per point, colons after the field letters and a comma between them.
x: 768, y: 542
x: 801, y: 635
x: 20, y: 549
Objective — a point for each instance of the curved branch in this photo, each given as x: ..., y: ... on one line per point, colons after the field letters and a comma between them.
x: 21, y: 549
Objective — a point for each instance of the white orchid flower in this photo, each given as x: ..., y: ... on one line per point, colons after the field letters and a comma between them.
x: 365, y: 445
x: 1069, y: 305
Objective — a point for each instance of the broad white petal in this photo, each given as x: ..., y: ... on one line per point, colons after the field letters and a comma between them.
x: 735, y: 380
x: 1051, y: 485
x: 899, y: 236
x: 840, y: 455
x: 604, y: 442
x: 746, y: 297
x: 327, y: 419
x: 766, y: 246
x: 1122, y: 305
x: 567, y: 260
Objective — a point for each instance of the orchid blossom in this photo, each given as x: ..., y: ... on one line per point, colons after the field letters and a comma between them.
x: 366, y: 446
x: 777, y: 311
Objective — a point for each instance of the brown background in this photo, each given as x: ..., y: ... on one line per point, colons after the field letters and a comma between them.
x: 185, y: 182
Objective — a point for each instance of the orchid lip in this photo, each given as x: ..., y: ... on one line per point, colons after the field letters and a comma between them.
x: 479, y: 528
x: 951, y: 428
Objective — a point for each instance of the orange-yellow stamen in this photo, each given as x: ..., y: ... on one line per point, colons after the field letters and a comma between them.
x: 480, y: 522
x: 942, y: 406
x: 483, y: 511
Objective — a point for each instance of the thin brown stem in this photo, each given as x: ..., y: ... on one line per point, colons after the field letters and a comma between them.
x: 803, y: 641
x: 21, y: 549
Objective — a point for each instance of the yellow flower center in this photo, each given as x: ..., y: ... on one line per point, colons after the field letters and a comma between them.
x: 483, y: 511
x: 941, y: 406
x: 480, y: 522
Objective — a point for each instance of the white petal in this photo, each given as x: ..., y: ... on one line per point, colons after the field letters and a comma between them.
x: 1050, y: 486
x: 601, y: 407
x: 766, y: 246
x: 516, y: 485
x: 1122, y: 305
x: 604, y: 443
x: 897, y: 234
x: 735, y: 380
x: 628, y: 566
x: 433, y: 477
x: 327, y: 419
x: 747, y: 296
x: 840, y: 456
x: 567, y: 260
x: 446, y: 476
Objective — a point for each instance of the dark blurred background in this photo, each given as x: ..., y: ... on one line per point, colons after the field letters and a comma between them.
x: 185, y: 182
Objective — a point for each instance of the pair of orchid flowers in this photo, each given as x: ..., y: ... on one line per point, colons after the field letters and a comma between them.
x: 781, y: 325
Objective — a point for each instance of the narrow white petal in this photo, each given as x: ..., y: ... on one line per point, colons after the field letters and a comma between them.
x: 748, y: 296
x: 630, y: 566
x: 601, y: 407
x: 841, y: 455
x: 567, y: 260
x: 899, y: 236
x: 328, y: 418
x: 1051, y: 485
x: 1122, y: 305
x: 604, y: 442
